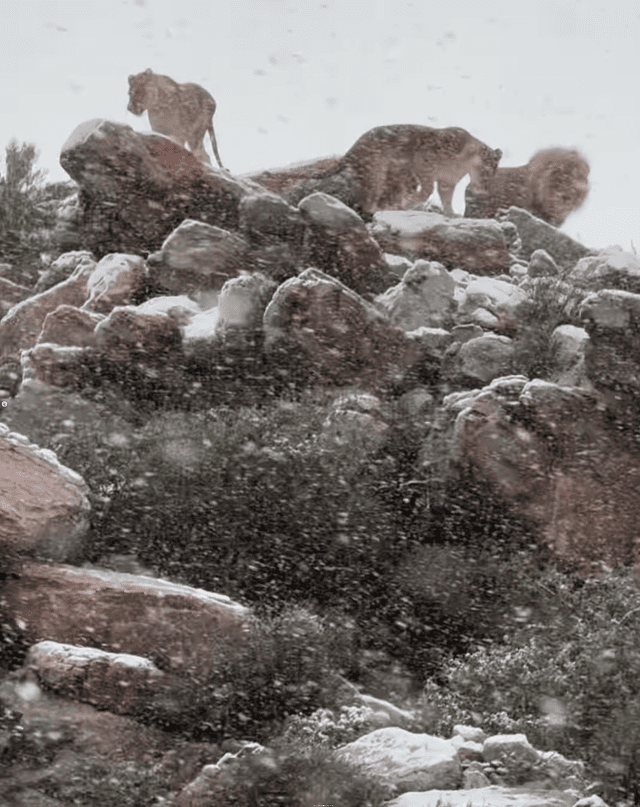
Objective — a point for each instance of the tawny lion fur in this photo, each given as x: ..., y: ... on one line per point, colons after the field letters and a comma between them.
x: 553, y: 184
x: 183, y: 112
x: 395, y: 167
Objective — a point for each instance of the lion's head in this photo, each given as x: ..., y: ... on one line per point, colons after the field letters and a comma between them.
x: 561, y: 183
x: 138, y: 92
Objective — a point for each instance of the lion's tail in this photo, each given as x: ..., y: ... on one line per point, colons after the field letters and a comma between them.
x: 214, y: 145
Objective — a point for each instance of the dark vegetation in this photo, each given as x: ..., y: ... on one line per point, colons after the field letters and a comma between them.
x: 223, y: 483
x: 27, y: 213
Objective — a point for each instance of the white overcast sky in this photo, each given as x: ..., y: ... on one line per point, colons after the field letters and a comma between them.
x: 298, y: 79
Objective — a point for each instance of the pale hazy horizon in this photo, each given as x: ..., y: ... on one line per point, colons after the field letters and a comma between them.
x: 299, y: 79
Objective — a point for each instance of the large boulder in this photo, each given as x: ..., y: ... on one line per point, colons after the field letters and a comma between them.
x: 266, y: 219
x: 423, y: 299
x: 127, y: 335
x: 116, y: 280
x: 201, y: 331
x: 536, y: 234
x: 344, y: 338
x: 281, y: 180
x: 120, y: 682
x: 62, y: 268
x: 241, y: 307
x: 493, y: 796
x: 11, y: 294
x: 487, y: 357
x: 21, y: 326
x: 355, y: 423
x: 512, y: 748
x: 123, y: 613
x: 406, y: 760
x: 568, y: 348
x: 475, y: 245
x: 612, y: 268
x: 136, y: 188
x: 198, y: 257
x: 338, y: 242
x: 180, y: 307
x: 489, y: 301
x: 44, y: 509
x: 70, y: 326
x: 551, y: 452
x: 52, y: 365
x: 542, y: 264
x: 70, y: 736
x: 611, y: 318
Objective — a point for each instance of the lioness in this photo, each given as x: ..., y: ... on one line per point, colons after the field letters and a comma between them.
x: 183, y: 112
x: 395, y: 167
x: 553, y: 184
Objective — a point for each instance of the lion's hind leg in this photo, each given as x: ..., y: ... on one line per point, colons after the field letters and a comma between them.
x: 195, y: 141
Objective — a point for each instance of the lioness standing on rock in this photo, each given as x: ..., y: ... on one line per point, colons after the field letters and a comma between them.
x: 395, y: 167
x: 183, y: 112
x: 553, y: 184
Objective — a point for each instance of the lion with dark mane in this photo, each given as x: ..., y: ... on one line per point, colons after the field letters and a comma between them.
x: 183, y: 112
x: 553, y: 184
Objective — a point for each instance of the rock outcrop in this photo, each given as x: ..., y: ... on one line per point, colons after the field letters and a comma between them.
x: 122, y: 613
x: 477, y: 246
x: 136, y: 188
x: 119, y: 682
x: 408, y: 761
x: 21, y: 326
x: 425, y: 298
x: 344, y: 337
x: 338, y: 243
x: 198, y: 257
x: 400, y: 317
x: 550, y: 449
x: 44, y: 508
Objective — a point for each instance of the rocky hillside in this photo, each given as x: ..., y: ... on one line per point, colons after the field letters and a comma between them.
x: 272, y: 475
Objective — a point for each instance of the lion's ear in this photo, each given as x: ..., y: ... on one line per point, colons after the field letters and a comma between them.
x: 149, y: 71
x: 498, y: 154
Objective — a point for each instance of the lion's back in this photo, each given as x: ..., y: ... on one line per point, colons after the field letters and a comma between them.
x: 195, y: 102
x: 510, y: 187
x: 189, y: 102
x: 406, y: 139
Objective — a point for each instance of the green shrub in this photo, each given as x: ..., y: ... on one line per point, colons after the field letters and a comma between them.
x: 23, y: 220
x: 285, y: 665
x: 569, y: 678
x: 328, y: 728
x: 299, y: 778
x: 245, y: 502
x: 249, y: 503
x: 551, y: 302
x: 102, y: 784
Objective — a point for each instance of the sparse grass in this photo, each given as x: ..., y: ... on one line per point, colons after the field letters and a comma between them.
x: 103, y: 784
x: 567, y: 676
x: 248, y: 502
x: 550, y: 302
x: 300, y: 778
x: 285, y: 665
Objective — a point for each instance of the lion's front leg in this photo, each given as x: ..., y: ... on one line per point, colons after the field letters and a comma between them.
x: 445, y: 191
